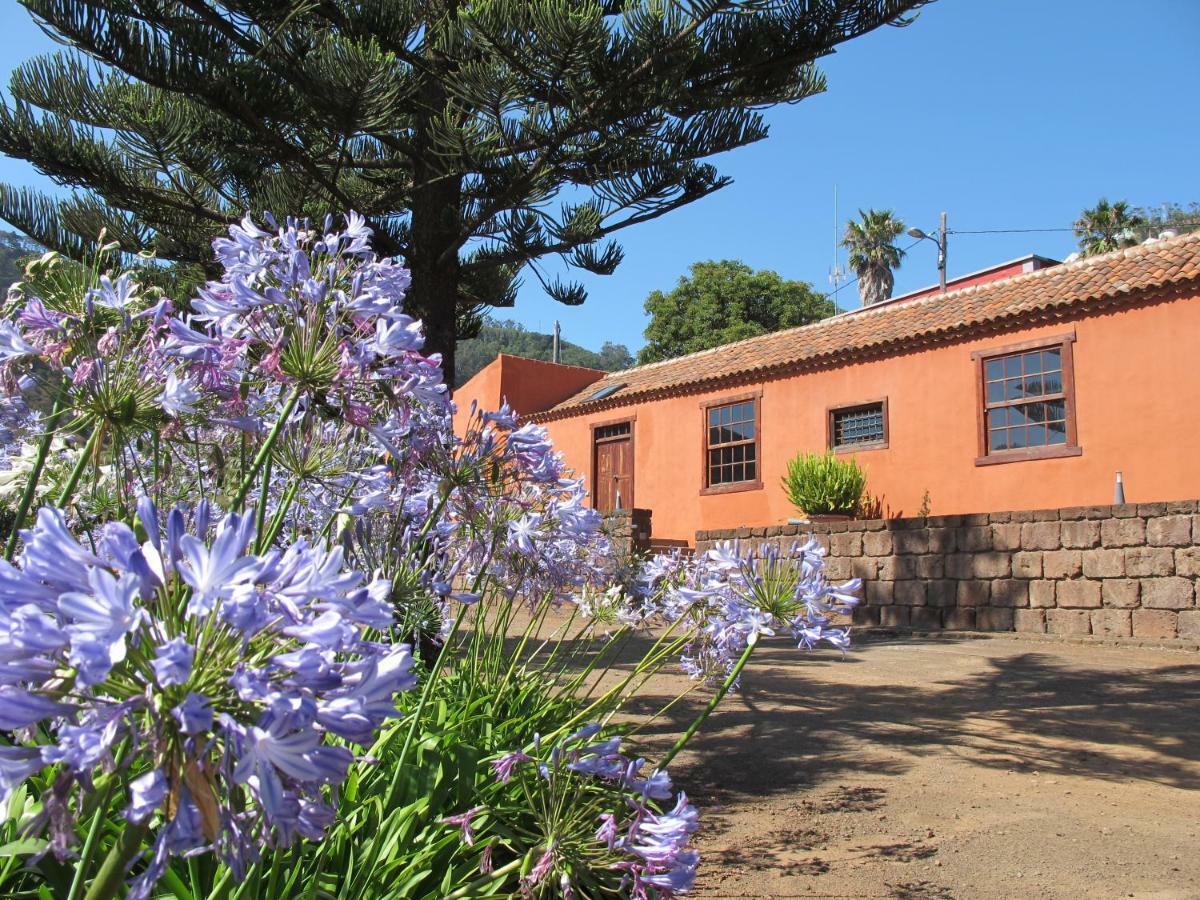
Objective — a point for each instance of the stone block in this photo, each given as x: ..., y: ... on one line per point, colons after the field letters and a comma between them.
x: 1030, y: 621
x: 1006, y: 537
x: 880, y: 593
x: 1027, y: 564
x: 869, y: 525
x: 1151, y: 509
x: 1112, y: 623
x: 895, y: 568
x: 1122, y: 532
x: 1168, y: 593
x: 959, y: 619
x: 866, y: 616
x: 959, y: 565
x: 942, y: 540
x: 877, y: 543
x: 974, y: 593
x: 924, y: 617
x: 999, y: 517
x: 1108, y: 563
x: 975, y: 538
x: 1078, y: 594
x: 1187, y: 561
x: 837, y: 568
x: 1068, y: 621
x: 894, y: 616
x: 1156, y: 624
x: 1169, y: 531
x: 848, y: 543
x: 989, y: 618
x: 991, y: 564
x: 1010, y: 592
x: 864, y: 567
x: 1188, y: 624
x: 1062, y: 563
x: 1072, y: 513
x: 1120, y: 593
x: 1041, y: 594
x: 911, y: 541
x: 1123, y: 510
x: 1180, y: 506
x: 910, y: 593
x: 941, y: 592
x: 1149, y: 562
x: 1041, y: 535
x: 1081, y: 535
x: 931, y: 567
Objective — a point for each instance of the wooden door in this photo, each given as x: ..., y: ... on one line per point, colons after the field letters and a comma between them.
x: 612, y: 485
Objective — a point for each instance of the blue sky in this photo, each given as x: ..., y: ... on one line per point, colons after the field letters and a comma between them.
x: 1013, y: 114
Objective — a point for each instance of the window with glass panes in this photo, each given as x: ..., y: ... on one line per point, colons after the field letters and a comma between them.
x: 1025, y: 400
x: 731, y: 454
x: 862, y: 426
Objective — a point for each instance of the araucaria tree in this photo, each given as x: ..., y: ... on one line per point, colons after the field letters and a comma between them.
x: 871, y: 241
x: 452, y: 125
x: 721, y: 302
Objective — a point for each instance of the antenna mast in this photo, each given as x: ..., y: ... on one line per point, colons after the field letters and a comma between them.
x: 836, y: 274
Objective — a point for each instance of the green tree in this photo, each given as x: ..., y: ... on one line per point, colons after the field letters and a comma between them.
x: 496, y: 337
x: 1108, y: 226
x: 873, y: 254
x: 452, y: 125
x: 15, y: 250
x: 721, y: 302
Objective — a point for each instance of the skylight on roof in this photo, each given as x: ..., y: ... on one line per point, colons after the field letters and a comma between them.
x: 607, y: 391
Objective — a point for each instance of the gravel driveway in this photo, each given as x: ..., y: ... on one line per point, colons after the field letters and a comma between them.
x: 951, y: 768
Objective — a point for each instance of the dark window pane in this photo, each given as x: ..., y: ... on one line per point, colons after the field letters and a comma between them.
x: 1051, y: 360
x: 1036, y: 412
x: 714, y: 458
x: 1056, y: 409
x: 1012, y: 365
x: 998, y: 439
x: 1018, y: 415
x: 863, y: 425
x: 1031, y: 363
x: 738, y: 473
x: 1033, y: 386
x: 997, y: 418
x: 995, y: 391
x: 1052, y: 383
x: 714, y: 418
x: 1037, y: 435
x: 993, y: 369
x: 1056, y: 433
x: 714, y: 436
x: 751, y: 469
x: 1013, y: 389
x: 751, y: 452
x: 1016, y: 438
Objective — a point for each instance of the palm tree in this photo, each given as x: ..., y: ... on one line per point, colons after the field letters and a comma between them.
x: 1107, y: 227
x: 871, y: 241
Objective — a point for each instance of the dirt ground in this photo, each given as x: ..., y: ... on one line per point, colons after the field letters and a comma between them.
x: 950, y: 768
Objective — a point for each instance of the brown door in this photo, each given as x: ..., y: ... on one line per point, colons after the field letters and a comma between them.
x: 613, y: 468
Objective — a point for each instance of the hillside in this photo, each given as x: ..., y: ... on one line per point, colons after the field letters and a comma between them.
x: 496, y: 337
x: 14, y: 250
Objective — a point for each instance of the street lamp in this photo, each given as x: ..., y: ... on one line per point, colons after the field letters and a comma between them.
x: 940, y: 241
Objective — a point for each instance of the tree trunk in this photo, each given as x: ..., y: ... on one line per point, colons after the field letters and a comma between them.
x: 436, y: 216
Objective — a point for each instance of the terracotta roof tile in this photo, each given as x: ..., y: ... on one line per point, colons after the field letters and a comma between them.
x: 1118, y: 277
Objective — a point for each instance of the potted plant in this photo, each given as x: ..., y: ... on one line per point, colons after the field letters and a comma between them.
x: 823, y: 486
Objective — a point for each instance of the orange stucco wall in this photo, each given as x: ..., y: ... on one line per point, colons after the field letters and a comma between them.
x: 1137, y: 383
x: 529, y: 385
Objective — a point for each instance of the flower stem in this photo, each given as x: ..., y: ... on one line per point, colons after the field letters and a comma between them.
x: 108, y: 881
x: 264, y: 451
x: 85, y: 858
x: 77, y: 472
x: 35, y: 474
x: 712, y: 704
x: 469, y: 889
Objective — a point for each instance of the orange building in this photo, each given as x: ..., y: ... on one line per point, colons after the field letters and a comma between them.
x: 1009, y: 391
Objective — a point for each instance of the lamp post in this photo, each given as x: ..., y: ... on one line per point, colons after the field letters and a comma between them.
x: 940, y: 241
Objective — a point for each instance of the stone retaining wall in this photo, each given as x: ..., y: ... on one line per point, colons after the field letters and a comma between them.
x: 1126, y: 571
x: 629, y: 530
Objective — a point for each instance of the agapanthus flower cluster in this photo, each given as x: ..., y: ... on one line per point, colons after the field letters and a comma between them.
x: 228, y: 681
x: 733, y: 596
x: 649, y: 846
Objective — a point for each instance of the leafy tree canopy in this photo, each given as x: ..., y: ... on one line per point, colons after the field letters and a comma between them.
x: 477, y: 136
x: 720, y: 302
x: 496, y: 337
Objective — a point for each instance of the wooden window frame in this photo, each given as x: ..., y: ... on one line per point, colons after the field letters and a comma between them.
x: 631, y: 421
x: 1065, y: 343
x: 831, y: 431
x: 734, y: 487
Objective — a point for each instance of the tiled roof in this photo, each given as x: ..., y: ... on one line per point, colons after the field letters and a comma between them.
x: 1113, y: 278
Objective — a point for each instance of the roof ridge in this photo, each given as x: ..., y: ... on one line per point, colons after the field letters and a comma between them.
x: 936, y: 297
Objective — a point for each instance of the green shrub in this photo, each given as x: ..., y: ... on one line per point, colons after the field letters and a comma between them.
x: 821, y: 484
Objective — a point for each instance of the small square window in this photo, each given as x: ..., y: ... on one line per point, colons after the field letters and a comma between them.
x: 863, y: 426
